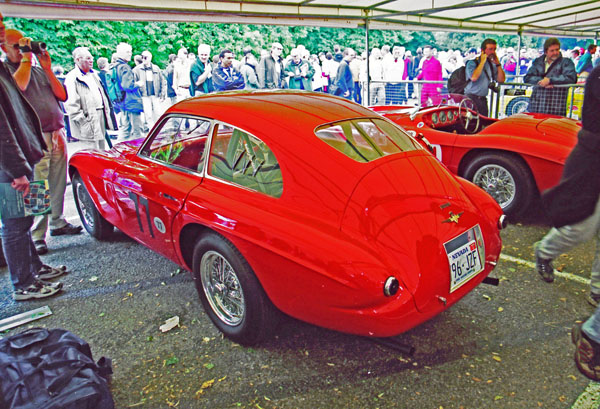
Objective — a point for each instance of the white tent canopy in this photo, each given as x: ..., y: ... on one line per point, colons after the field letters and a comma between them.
x: 562, y: 18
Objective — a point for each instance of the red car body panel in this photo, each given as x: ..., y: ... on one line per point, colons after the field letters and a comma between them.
x: 323, y: 250
x: 543, y: 141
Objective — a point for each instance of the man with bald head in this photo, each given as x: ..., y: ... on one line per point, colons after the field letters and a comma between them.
x: 43, y: 91
x: 21, y: 148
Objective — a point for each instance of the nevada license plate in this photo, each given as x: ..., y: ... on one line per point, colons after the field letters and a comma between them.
x: 465, y: 257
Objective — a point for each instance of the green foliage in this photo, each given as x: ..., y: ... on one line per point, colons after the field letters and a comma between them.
x: 162, y: 38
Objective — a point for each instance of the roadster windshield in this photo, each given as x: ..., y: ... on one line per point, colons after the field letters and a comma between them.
x: 366, y: 139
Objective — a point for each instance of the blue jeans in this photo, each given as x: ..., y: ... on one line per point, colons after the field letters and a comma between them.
x: 19, y: 251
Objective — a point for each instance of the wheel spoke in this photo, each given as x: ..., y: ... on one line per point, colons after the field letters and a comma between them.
x: 222, y: 288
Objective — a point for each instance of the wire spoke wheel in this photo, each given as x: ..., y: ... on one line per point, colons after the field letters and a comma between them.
x: 498, y: 182
x: 222, y: 288
x: 85, y: 205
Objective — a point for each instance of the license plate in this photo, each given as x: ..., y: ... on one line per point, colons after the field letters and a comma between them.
x: 465, y: 257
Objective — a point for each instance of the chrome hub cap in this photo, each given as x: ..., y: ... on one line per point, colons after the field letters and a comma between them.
x: 222, y: 288
x: 498, y: 182
x: 85, y: 205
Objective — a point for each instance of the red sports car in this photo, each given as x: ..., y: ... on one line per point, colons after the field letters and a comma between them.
x: 513, y: 159
x: 296, y: 201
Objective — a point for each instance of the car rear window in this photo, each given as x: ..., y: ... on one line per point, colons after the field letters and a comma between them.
x: 366, y: 139
x: 241, y: 158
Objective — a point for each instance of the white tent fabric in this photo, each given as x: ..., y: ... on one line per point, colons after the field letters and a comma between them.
x: 564, y: 18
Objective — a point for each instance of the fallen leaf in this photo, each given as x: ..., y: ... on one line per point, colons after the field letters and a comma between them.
x: 171, y: 361
x: 207, y: 384
x: 93, y: 278
x: 498, y: 397
x: 209, y: 366
x: 101, y: 314
x: 500, y: 309
x: 497, y: 358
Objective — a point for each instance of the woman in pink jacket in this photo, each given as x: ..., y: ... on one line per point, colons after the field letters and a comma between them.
x: 431, y: 70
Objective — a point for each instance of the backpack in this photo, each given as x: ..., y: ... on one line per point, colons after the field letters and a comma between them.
x: 458, y: 81
x: 52, y: 369
x: 115, y: 93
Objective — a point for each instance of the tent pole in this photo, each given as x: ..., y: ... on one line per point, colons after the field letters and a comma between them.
x: 368, y: 93
x: 519, y: 44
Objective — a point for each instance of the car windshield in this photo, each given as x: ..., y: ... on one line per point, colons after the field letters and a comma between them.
x: 366, y: 139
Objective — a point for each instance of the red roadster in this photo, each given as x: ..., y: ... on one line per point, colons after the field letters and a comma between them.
x: 296, y: 201
x: 513, y: 159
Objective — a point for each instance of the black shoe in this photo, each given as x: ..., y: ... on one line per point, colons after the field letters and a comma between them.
x: 40, y: 246
x: 544, y: 266
x: 66, y: 229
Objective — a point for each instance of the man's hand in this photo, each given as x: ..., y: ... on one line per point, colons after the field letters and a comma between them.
x: 545, y: 82
x: 45, y: 60
x: 23, y: 42
x: 21, y: 185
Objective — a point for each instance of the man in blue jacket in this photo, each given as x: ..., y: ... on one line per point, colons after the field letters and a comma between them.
x: 226, y: 77
x: 343, y: 78
x: 129, y: 100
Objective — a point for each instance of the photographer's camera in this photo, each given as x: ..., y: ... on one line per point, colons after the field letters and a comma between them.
x: 35, y: 47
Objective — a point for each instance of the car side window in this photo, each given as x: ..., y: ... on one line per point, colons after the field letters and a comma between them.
x: 180, y: 141
x: 241, y: 158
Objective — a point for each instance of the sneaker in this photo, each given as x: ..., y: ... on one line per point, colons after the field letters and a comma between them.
x: 57, y: 284
x: 544, y: 266
x: 593, y: 299
x: 40, y: 246
x: 36, y: 290
x: 66, y: 229
x: 587, y: 353
x: 48, y: 273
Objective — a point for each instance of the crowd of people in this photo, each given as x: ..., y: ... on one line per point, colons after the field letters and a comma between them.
x: 140, y: 93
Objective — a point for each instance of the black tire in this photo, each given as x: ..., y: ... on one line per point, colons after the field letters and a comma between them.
x: 251, y: 316
x: 92, y: 220
x: 505, y: 177
x: 517, y: 105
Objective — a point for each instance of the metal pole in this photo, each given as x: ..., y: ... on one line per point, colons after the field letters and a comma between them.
x: 368, y: 101
x: 518, y: 55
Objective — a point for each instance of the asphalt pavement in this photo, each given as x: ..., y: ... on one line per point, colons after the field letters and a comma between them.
x: 500, y: 347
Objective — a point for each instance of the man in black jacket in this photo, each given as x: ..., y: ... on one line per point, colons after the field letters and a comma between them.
x: 545, y: 73
x: 573, y: 205
x: 270, y: 68
x: 21, y: 147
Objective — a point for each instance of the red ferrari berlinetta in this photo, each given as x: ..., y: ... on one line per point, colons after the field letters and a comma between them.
x: 299, y: 202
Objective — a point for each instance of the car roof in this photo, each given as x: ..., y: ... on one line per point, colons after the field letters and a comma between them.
x: 263, y: 112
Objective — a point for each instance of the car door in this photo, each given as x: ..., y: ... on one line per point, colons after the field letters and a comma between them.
x: 151, y: 189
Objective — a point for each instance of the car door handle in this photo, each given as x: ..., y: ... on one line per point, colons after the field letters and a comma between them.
x: 167, y: 196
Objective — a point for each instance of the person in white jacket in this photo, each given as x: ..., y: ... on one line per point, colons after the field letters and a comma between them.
x: 88, y: 106
x: 393, y: 74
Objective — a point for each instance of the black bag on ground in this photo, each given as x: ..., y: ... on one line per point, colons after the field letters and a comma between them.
x: 458, y: 81
x: 52, y: 369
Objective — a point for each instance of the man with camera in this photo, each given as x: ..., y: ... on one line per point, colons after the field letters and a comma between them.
x: 43, y: 91
x: 21, y: 148
x: 483, y: 74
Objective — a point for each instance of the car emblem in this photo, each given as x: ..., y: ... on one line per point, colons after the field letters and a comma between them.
x: 453, y: 217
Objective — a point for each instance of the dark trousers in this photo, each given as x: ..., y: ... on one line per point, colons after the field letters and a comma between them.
x: 480, y: 103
